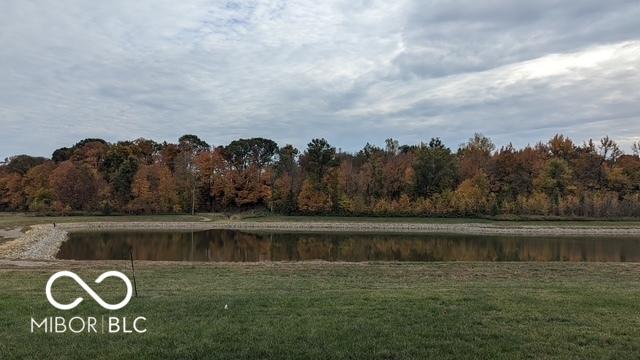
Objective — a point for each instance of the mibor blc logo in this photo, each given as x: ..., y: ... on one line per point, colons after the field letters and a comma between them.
x: 88, y: 324
x: 89, y: 291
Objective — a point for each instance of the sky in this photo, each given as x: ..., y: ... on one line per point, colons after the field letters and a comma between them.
x: 352, y: 71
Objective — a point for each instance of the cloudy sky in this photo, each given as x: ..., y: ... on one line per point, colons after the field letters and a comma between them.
x: 353, y: 71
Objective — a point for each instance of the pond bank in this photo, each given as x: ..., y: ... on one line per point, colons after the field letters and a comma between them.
x: 42, y: 242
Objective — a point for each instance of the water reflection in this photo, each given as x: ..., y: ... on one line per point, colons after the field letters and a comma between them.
x: 239, y: 246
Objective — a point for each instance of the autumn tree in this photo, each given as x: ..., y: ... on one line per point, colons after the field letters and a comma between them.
x: 184, y: 169
x: 212, y: 170
x: 285, y: 186
x: 556, y: 179
x: 371, y: 161
x: 588, y: 167
x: 552, y: 177
x: 249, y: 158
x: 90, y: 152
x: 193, y: 143
x: 512, y: 171
x: 154, y: 190
x: 397, y: 175
x: 75, y: 186
x: 252, y: 189
x: 474, y: 156
x: 435, y: 168
x: 313, y: 201
x: 630, y: 165
x: 119, y: 166
x: 617, y: 180
x: 317, y: 159
x: 20, y: 164
x: 61, y: 154
x: 12, y: 195
x: 561, y: 147
x: 38, y: 192
x: 146, y: 150
x: 256, y: 152
x: 472, y: 197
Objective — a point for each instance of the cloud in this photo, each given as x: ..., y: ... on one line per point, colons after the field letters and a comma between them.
x: 350, y: 71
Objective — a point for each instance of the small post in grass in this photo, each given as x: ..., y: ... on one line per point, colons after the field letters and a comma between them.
x: 133, y: 270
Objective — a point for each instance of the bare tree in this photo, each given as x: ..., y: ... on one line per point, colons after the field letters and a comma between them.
x: 636, y: 148
x: 609, y: 150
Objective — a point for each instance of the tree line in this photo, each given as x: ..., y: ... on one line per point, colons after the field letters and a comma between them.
x: 557, y: 177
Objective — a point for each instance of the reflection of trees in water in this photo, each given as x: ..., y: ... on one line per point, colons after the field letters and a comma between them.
x: 231, y: 245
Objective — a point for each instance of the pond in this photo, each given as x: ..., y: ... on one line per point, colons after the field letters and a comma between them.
x: 243, y: 246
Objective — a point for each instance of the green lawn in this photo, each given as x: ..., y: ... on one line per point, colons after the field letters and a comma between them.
x: 340, y: 311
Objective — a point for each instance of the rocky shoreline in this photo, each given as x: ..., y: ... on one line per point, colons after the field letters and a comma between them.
x: 41, y: 242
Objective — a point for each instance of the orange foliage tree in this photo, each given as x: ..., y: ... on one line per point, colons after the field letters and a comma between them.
x: 554, y: 177
x: 154, y: 190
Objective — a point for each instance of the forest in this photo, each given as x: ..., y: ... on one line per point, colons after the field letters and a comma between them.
x: 553, y: 178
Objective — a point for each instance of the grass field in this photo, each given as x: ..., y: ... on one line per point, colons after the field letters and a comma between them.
x: 427, y: 220
x: 338, y: 311
x: 12, y: 220
x: 9, y: 220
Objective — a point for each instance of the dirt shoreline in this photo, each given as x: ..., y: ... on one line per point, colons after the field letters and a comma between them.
x: 41, y: 242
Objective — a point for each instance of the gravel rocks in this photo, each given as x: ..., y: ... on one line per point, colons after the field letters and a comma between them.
x: 41, y: 242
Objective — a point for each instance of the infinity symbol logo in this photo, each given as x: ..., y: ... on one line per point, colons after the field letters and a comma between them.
x: 89, y: 291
